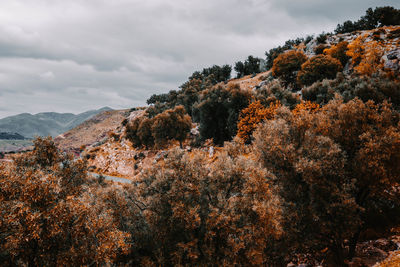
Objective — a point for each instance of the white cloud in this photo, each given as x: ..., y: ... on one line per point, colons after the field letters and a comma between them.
x: 70, y: 56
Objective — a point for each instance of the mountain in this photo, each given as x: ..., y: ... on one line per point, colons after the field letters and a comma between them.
x: 11, y: 136
x: 45, y: 123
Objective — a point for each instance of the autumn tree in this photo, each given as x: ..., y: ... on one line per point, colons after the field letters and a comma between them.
x: 45, y: 220
x: 201, y: 213
x: 307, y: 106
x: 172, y: 124
x: 329, y: 181
x: 318, y: 68
x: 287, y: 65
x: 251, y: 116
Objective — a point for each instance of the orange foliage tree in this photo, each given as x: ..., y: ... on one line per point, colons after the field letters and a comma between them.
x: 251, y: 116
x: 333, y: 168
x: 45, y: 220
x: 202, y: 213
x: 287, y: 64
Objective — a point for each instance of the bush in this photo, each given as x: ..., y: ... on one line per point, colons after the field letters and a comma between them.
x: 318, y: 68
x: 339, y: 52
x: 377, y: 87
x: 251, y: 116
x: 286, y: 66
x: 47, y: 219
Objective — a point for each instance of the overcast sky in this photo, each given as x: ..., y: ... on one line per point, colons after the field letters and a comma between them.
x: 77, y: 55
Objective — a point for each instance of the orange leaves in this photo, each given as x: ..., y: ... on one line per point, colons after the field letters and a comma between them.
x: 366, y: 55
x: 306, y: 106
x: 251, y: 116
x: 49, y: 220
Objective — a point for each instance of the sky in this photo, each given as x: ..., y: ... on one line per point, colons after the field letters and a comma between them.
x: 78, y: 55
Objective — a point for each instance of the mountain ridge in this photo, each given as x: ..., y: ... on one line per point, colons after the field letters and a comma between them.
x: 45, y: 123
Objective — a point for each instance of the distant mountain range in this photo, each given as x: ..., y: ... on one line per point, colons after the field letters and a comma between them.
x: 45, y: 124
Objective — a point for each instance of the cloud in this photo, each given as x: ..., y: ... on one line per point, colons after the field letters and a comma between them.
x: 71, y: 56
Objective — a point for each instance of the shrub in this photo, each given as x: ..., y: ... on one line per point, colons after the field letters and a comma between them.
x: 46, y: 219
x: 251, y: 116
x: 286, y: 66
x: 318, y: 68
x: 377, y: 87
x: 339, y: 52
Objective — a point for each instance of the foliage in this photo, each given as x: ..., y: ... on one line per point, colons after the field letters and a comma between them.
x: 273, y: 53
x: 172, y: 124
x: 218, y: 110
x: 250, y: 66
x: 380, y: 16
x: 338, y: 51
x: 377, y: 87
x: 307, y: 106
x: 222, y: 213
x: 366, y: 56
x: 45, y: 218
x: 326, y: 178
x: 274, y: 92
x: 318, y: 68
x: 251, y: 116
x: 286, y: 66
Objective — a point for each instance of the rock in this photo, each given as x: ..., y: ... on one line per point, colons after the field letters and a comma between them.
x: 394, y: 54
x: 211, y: 151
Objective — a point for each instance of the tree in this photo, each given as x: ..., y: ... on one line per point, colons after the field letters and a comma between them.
x: 45, y: 220
x: 250, y: 66
x: 380, y: 16
x: 218, y: 110
x: 203, y: 213
x: 318, y: 68
x: 326, y: 179
x: 171, y: 125
x: 286, y: 66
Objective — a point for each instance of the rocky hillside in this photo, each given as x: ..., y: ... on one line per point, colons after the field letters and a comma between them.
x: 93, y: 131
x: 46, y: 123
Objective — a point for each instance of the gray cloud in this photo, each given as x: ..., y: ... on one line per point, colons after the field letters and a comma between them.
x: 71, y: 56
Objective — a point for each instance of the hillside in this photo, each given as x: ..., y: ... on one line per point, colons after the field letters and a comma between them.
x: 46, y: 123
x: 92, y: 131
x: 295, y: 162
